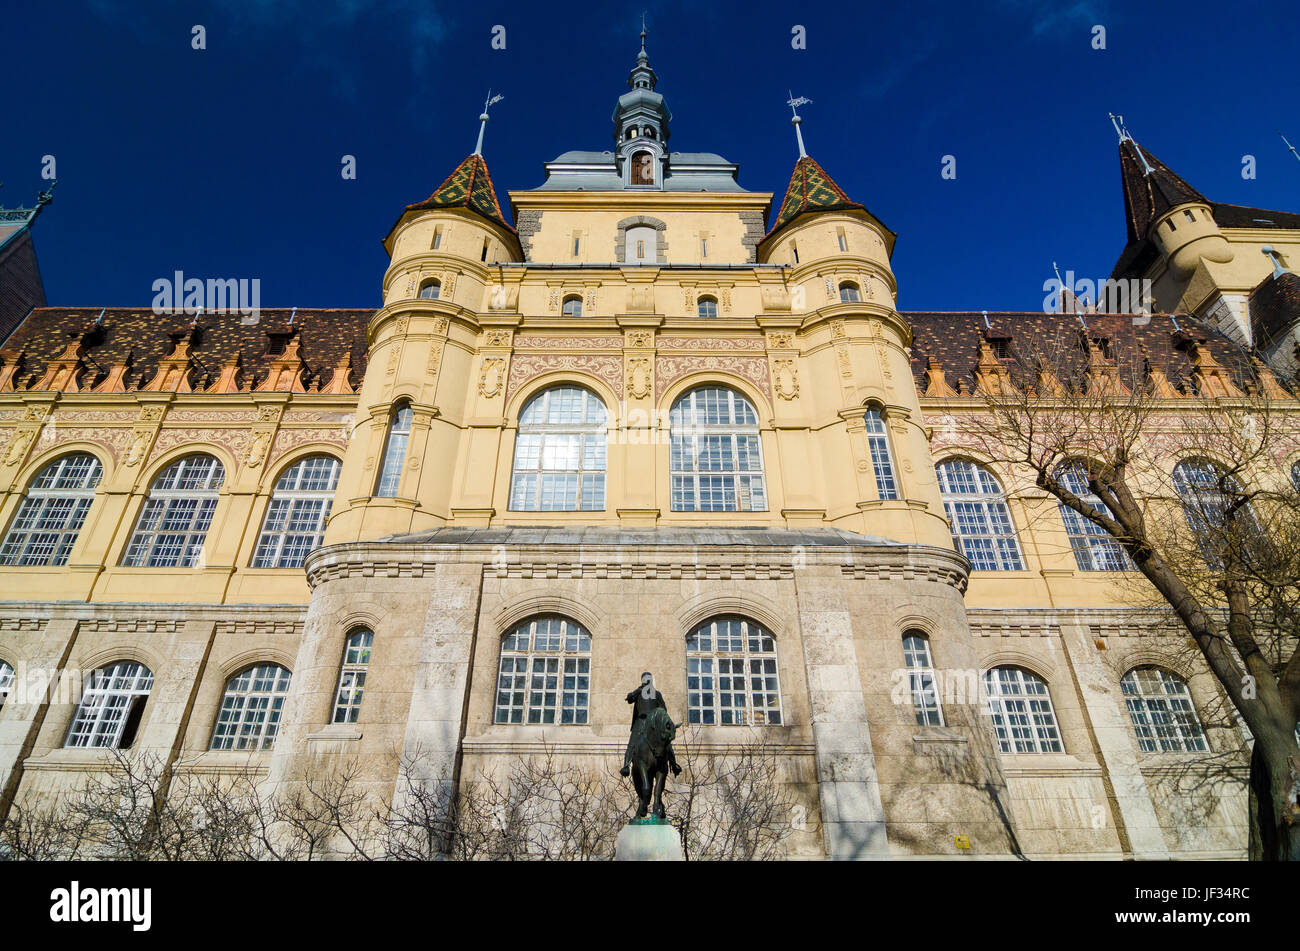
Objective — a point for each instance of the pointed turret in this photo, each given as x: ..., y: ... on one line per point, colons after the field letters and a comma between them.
x: 641, y: 126
x: 811, y: 189
x: 1151, y: 189
x: 469, y: 186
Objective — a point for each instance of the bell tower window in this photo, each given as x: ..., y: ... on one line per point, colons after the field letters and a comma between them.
x: 643, y: 168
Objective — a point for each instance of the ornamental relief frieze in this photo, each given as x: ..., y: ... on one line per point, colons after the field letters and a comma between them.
x: 605, y: 367
x: 670, y: 369
x: 233, y: 441
x: 544, y: 342
x: 211, y: 416
x: 712, y: 343
x: 114, y: 441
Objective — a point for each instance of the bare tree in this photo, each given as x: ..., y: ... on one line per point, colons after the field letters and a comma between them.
x: 1217, y: 539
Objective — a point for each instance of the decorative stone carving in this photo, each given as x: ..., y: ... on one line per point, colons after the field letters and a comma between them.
x: 499, y: 298
x: 287, y: 440
x: 639, y: 339
x: 257, y: 445
x: 605, y: 367
x: 151, y: 414
x: 491, y: 376
x: 139, y: 446
x: 780, y: 340
x: 785, y: 377
x: 837, y: 329
x: 553, y: 299
x: 640, y: 378
x: 18, y: 446
x: 724, y: 299
x: 497, y: 338
x: 670, y: 369
x: 544, y: 342
x: 590, y: 303
x: 711, y: 343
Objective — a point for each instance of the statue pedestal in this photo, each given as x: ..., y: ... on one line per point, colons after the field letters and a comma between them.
x: 649, y: 842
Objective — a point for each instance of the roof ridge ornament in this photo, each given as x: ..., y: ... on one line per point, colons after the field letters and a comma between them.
x: 794, y: 105
x: 483, y: 120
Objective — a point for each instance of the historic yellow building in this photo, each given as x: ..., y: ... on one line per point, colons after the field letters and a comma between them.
x: 660, y: 423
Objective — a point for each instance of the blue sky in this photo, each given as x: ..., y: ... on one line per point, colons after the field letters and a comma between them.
x: 225, y: 162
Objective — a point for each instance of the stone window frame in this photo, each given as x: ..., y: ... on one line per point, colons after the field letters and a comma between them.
x: 295, y: 499
x: 168, y: 492
x: 1184, y: 732
x: 357, y: 649
x: 114, y: 698
x: 1044, y: 734
x: 876, y: 424
x: 571, y: 659
x: 661, y: 243
x: 695, y: 434
x: 590, y: 434
x: 918, y: 659
x: 993, y: 508
x: 266, y: 718
x: 388, y: 481
x: 704, y: 675
x: 6, y: 680
x: 41, y: 501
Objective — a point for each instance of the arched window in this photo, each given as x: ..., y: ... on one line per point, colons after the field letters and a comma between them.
x: 849, y: 293
x: 707, y: 307
x: 545, y: 672
x: 6, y: 681
x: 1208, y: 493
x: 1160, y: 706
x: 572, y: 306
x: 881, y: 461
x: 399, y: 433
x: 1021, y: 707
x: 920, y: 679
x: 977, y: 512
x: 430, y: 289
x: 643, y: 168
x: 1095, y: 549
x: 174, y: 521
x: 295, y: 519
x: 731, y: 674
x: 53, y: 510
x: 352, y: 675
x: 1295, y: 476
x: 560, y: 453
x: 112, y: 704
x: 250, y: 711
x: 717, y: 458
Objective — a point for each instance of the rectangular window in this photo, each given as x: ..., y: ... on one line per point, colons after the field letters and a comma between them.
x: 844, y: 242
x: 437, y: 237
x: 483, y: 256
x: 577, y: 243
x: 794, y: 253
x: 704, y: 247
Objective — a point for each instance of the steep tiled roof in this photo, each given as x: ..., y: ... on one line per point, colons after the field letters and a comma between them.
x: 324, y: 336
x: 810, y: 189
x: 1148, y: 195
x: 953, y: 340
x: 1274, y: 307
x: 1240, y: 216
x: 469, y: 186
x: 20, y: 278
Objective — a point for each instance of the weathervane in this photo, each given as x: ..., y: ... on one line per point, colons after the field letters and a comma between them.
x: 483, y: 120
x: 794, y: 105
x: 1290, y: 146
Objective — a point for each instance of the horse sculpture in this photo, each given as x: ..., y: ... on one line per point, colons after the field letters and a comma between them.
x: 649, y: 755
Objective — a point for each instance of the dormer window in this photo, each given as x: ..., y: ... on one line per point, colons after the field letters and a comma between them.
x: 572, y: 306
x: 643, y: 168
x: 849, y: 293
x: 430, y: 289
x: 707, y: 307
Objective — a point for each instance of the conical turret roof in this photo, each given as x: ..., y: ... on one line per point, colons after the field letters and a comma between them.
x: 469, y: 186
x: 1150, y: 188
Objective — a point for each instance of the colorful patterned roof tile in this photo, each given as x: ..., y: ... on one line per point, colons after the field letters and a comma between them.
x: 470, y: 187
x: 811, y: 189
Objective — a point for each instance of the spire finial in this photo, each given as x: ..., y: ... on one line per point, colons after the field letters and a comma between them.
x: 794, y: 105
x: 643, y: 31
x: 1126, y: 136
x: 483, y: 120
x: 1290, y: 146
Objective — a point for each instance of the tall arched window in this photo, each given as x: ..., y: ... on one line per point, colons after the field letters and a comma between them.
x: 399, y: 433
x: 174, y: 521
x: 707, y: 307
x: 717, y: 457
x: 352, y: 676
x: 572, y: 306
x: 430, y: 289
x: 921, y: 680
x: 977, y: 512
x: 849, y: 293
x: 53, y: 511
x: 881, y: 460
x: 295, y: 519
x: 731, y: 674
x: 560, y: 453
x: 1295, y: 476
x: 1160, y: 706
x: 249, y: 718
x: 1095, y: 549
x: 545, y: 672
x: 1208, y: 494
x: 6, y: 681
x: 1021, y: 707
x: 111, y: 707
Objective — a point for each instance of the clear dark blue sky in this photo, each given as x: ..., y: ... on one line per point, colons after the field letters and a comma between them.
x: 225, y: 162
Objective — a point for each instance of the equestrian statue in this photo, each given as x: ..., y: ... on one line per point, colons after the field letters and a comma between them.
x: 649, y: 753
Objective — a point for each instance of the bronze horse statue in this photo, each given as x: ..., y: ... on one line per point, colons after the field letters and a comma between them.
x: 649, y: 752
